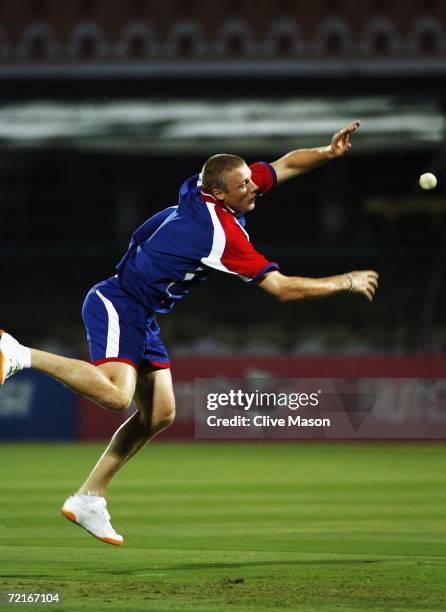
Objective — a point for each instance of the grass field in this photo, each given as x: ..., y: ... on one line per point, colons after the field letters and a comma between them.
x: 233, y: 527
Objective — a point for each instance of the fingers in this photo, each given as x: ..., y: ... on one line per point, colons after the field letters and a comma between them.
x: 341, y: 138
x: 365, y: 283
x: 373, y: 282
x: 371, y: 278
x: 366, y: 273
x: 370, y: 292
x: 350, y: 129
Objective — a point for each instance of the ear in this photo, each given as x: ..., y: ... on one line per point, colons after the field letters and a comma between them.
x: 219, y: 194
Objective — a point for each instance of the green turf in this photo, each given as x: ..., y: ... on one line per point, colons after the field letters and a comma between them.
x: 233, y: 527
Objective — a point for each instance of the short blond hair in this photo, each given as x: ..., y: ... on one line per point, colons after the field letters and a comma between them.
x: 216, y: 169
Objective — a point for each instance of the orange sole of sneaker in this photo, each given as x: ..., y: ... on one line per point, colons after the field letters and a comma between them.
x: 72, y: 517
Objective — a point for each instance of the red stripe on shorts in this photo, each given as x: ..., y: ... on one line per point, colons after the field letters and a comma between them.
x: 160, y: 364
x: 119, y: 359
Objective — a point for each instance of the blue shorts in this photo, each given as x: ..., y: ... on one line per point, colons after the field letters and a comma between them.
x: 121, y: 329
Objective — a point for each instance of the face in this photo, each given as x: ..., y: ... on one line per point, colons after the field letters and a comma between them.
x: 240, y: 191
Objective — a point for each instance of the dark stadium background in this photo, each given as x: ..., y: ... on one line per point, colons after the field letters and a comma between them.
x: 65, y: 227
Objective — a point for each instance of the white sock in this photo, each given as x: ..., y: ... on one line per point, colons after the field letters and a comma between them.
x: 88, y: 498
x: 24, y: 356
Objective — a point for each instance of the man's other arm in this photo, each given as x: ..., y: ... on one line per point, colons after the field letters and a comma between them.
x: 303, y: 160
x: 288, y: 288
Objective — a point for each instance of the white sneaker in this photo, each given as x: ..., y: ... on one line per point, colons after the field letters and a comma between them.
x: 92, y: 516
x: 10, y: 351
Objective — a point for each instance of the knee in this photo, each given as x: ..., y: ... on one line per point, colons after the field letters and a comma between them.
x: 165, y: 417
x: 168, y: 418
x: 118, y: 401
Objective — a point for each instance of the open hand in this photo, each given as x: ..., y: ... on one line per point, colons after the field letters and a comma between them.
x: 340, y: 142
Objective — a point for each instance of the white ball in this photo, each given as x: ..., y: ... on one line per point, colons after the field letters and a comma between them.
x: 428, y: 181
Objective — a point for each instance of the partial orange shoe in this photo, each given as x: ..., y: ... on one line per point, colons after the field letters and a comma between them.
x: 90, y: 512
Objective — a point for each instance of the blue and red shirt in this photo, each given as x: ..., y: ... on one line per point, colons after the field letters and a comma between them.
x: 179, y: 246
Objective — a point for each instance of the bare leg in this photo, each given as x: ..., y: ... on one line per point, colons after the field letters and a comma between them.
x: 156, y: 410
x: 110, y: 384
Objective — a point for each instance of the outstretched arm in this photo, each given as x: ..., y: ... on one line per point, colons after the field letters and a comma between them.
x: 288, y: 288
x: 302, y: 160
